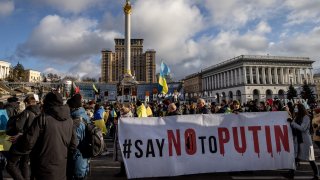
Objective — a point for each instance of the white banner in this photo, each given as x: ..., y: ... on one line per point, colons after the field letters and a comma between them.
x: 192, y: 144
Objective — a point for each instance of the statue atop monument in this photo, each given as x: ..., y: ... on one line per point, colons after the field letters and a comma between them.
x: 127, y: 7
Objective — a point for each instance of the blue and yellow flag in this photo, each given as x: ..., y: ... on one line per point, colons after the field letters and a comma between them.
x: 164, y: 71
x: 94, y: 88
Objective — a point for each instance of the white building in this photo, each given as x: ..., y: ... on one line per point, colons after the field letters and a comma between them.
x: 249, y: 77
x: 4, y: 69
x: 33, y: 76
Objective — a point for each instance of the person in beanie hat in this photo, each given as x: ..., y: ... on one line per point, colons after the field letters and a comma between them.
x: 12, y: 106
x: 49, y: 139
x: 78, y: 166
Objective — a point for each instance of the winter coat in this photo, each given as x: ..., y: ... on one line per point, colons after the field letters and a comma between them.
x: 303, y: 151
x: 79, y: 166
x: 99, y: 120
x: 49, y: 137
x: 174, y: 113
x: 203, y: 110
x: 27, y: 117
x: 142, y: 111
x: 3, y: 119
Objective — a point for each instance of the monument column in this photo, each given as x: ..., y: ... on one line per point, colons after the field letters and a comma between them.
x: 127, y: 12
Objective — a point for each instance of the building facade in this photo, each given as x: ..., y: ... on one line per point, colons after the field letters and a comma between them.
x: 249, y: 77
x: 193, y: 86
x: 4, y: 69
x: 33, y: 76
x: 143, y: 65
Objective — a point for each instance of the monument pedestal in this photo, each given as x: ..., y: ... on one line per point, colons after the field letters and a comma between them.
x: 128, y: 88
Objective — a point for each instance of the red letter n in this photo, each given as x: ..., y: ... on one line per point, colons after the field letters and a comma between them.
x: 175, y: 141
x: 281, y: 136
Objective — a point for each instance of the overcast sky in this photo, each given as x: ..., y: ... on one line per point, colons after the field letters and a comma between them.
x: 67, y: 36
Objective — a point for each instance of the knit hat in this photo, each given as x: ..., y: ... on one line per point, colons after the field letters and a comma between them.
x: 12, y: 99
x: 75, y: 101
x: 53, y: 99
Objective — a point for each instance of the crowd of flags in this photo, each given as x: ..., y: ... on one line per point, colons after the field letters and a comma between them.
x: 162, y: 83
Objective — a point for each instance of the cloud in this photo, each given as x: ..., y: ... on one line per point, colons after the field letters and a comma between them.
x: 66, y: 40
x: 73, y: 6
x: 237, y: 13
x: 6, y: 7
x: 306, y: 11
x: 213, y: 49
x: 168, y: 27
x: 51, y: 70
x: 86, y: 68
x: 300, y: 44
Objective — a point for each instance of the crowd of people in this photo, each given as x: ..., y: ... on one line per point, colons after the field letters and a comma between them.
x: 54, y: 126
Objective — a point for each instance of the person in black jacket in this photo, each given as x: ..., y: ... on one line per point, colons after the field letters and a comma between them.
x: 12, y: 106
x: 18, y: 166
x: 50, y: 137
x: 202, y: 109
x: 172, y: 110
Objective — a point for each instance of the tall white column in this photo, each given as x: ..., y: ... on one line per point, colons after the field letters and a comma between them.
x: 269, y: 75
x: 239, y: 76
x: 251, y: 75
x: 225, y: 79
x: 232, y: 78
x: 287, y: 76
x: 257, y: 75
x: 311, y: 76
x: 281, y: 76
x: 220, y: 80
x: 300, y: 76
x: 127, y: 12
x: 306, y: 75
x: 276, y: 75
x: 211, y: 82
x: 7, y: 72
x: 217, y: 81
x: 235, y: 74
x: 294, y: 76
x: 264, y: 75
x: 245, y: 75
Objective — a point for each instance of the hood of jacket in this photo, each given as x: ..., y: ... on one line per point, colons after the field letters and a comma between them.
x: 80, y: 112
x: 60, y: 113
x: 34, y: 108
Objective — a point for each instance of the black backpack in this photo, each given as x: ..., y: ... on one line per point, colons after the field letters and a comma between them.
x: 93, y: 143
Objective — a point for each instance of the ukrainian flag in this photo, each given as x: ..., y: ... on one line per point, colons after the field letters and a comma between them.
x: 94, y: 88
x: 164, y: 71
